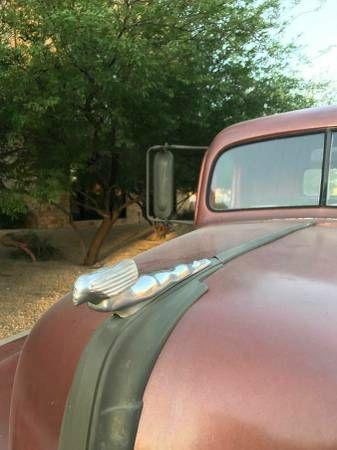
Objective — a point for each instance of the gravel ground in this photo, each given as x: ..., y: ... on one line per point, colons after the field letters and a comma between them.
x: 29, y: 289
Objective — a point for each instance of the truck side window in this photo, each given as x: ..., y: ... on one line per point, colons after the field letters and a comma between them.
x: 281, y: 172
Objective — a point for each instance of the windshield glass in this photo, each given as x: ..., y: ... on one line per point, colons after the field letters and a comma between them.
x: 276, y: 173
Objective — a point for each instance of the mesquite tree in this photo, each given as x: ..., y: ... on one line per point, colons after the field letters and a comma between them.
x: 87, y: 85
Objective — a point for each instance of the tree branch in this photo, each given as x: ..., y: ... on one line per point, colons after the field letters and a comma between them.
x: 91, y: 200
x: 100, y: 212
x: 121, y: 208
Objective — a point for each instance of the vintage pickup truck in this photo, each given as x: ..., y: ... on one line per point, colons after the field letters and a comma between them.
x: 223, y: 338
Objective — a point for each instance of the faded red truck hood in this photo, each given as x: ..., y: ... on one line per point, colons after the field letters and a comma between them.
x: 206, y: 242
x: 252, y: 365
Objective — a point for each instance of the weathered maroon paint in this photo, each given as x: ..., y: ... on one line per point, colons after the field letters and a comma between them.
x: 44, y: 374
x: 7, y: 371
x: 11, y: 347
x: 54, y: 346
x: 252, y: 365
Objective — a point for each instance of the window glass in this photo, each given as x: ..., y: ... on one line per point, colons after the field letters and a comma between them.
x: 312, y: 181
x: 275, y: 173
x: 332, y: 179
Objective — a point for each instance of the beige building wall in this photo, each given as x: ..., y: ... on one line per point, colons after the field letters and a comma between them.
x: 133, y: 216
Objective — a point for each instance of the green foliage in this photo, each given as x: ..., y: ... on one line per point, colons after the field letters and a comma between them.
x: 11, y: 203
x: 87, y: 85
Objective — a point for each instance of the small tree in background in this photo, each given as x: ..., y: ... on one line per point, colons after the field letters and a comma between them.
x: 87, y: 85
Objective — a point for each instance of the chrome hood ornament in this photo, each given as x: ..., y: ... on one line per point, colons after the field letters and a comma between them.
x: 120, y: 289
x: 106, y: 282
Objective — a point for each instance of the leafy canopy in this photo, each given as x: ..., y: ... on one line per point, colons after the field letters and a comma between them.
x: 87, y: 85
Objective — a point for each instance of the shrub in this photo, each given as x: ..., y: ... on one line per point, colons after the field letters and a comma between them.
x: 41, y: 247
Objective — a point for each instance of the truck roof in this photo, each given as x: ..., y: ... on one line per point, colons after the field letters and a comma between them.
x: 278, y: 124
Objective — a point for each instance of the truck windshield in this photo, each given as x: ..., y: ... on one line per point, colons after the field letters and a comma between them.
x: 281, y: 172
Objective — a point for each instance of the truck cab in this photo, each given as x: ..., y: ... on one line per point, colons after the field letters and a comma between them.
x: 223, y: 338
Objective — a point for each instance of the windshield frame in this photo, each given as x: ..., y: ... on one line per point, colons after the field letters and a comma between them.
x: 327, y: 132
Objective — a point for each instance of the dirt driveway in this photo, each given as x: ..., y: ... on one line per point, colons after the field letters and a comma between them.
x: 28, y: 289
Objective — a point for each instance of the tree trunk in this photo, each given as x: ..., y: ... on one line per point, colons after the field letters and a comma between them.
x: 97, y: 241
x: 102, y: 232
